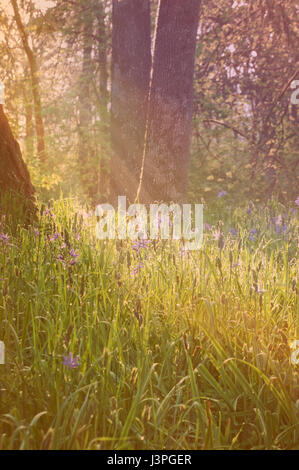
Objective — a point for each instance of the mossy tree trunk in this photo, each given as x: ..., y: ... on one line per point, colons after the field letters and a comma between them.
x: 15, y: 183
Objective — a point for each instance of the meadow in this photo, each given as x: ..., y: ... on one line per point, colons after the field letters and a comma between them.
x: 122, y: 345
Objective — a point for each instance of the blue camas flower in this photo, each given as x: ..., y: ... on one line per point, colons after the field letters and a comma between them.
x: 4, y: 238
x: 233, y: 231
x: 252, y: 234
x: 138, y: 245
x: 71, y: 362
x: 73, y: 254
x: 137, y: 269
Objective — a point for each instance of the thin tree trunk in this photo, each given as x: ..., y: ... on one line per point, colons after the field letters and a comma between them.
x: 131, y: 66
x: 39, y: 124
x: 102, y: 53
x: 166, y: 159
x: 104, y: 96
x: 29, y: 138
x: 84, y: 150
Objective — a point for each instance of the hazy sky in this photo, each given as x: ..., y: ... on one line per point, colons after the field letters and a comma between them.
x: 42, y: 4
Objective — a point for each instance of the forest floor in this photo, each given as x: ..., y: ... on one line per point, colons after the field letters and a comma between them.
x: 109, y: 345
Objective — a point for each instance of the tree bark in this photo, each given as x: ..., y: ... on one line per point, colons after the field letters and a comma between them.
x: 29, y: 138
x: 104, y: 97
x: 131, y: 67
x: 14, y: 176
x: 39, y: 123
x: 84, y: 148
x: 166, y: 158
x: 102, y: 54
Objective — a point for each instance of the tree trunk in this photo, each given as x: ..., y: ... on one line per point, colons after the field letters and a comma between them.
x: 131, y: 66
x: 39, y: 123
x: 102, y: 54
x: 84, y: 150
x: 166, y: 158
x: 103, y: 101
x: 29, y: 137
x: 14, y: 176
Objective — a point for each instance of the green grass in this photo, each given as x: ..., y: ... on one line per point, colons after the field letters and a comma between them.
x: 187, y: 354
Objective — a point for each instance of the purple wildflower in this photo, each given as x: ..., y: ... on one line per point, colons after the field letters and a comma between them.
x: 54, y: 237
x: 136, y: 269
x: 233, y: 231
x: 61, y: 258
x: 4, y: 238
x: 252, y: 234
x: 280, y: 227
x: 71, y: 362
x: 221, y: 194
x: 48, y: 212
x: 36, y: 232
x: 207, y: 227
x: 139, y: 317
x: 73, y: 254
x: 248, y: 210
x: 297, y: 201
x: 137, y: 246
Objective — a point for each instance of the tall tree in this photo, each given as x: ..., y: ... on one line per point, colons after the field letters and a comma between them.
x: 39, y: 123
x: 131, y: 67
x: 84, y: 149
x: 102, y: 52
x: 29, y: 125
x: 166, y: 157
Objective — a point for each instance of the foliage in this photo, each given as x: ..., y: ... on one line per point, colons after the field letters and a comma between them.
x: 247, y: 59
x: 189, y: 351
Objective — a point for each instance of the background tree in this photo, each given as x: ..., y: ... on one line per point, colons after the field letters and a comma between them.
x: 131, y: 66
x: 39, y: 123
x: 85, y: 110
x: 243, y: 135
x: 170, y: 103
x: 245, y: 61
